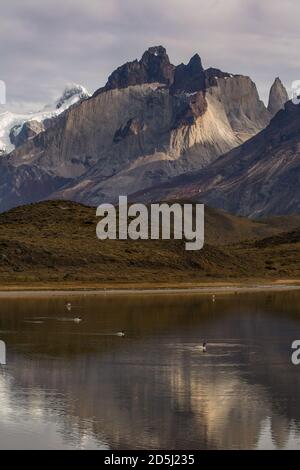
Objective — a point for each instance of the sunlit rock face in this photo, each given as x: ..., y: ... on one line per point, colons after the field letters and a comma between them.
x: 277, y: 98
x: 150, y: 122
x: 257, y: 179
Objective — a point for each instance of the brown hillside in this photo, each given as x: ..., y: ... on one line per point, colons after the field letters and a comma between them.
x: 55, y: 242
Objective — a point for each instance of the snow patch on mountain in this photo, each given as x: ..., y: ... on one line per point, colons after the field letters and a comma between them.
x: 11, y: 123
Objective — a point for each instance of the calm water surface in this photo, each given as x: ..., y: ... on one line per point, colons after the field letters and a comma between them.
x: 69, y: 385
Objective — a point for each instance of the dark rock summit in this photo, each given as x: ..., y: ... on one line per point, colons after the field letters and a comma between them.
x: 189, y: 78
x: 154, y: 66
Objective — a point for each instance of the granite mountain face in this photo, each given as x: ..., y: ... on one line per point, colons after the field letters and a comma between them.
x: 151, y: 122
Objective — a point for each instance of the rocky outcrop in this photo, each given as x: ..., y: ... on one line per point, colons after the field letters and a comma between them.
x: 133, y: 127
x: 277, y: 98
x: 151, y: 122
x: 190, y: 107
x: 189, y: 78
x: 29, y: 130
x: 154, y: 67
x: 212, y: 74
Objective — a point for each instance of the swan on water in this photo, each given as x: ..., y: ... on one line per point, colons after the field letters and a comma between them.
x: 69, y: 306
x: 121, y: 333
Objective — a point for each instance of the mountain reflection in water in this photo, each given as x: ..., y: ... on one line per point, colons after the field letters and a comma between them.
x: 69, y: 385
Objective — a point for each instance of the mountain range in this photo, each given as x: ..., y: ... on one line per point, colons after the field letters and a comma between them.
x: 159, y: 130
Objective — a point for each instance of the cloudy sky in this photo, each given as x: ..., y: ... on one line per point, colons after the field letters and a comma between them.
x: 46, y: 44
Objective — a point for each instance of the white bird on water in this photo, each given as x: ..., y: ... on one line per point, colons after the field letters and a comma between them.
x: 69, y: 308
x: 203, y: 347
x: 121, y: 333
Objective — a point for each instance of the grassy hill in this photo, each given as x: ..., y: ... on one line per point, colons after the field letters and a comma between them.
x: 55, y: 242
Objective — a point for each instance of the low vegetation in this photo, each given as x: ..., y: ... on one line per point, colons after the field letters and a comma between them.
x: 54, y: 243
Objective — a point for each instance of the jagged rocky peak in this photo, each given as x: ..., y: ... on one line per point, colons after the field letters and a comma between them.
x: 278, y: 97
x: 189, y: 78
x: 157, y: 64
x: 154, y: 66
x: 19, y: 134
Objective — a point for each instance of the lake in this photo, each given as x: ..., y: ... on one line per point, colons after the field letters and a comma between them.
x: 69, y: 385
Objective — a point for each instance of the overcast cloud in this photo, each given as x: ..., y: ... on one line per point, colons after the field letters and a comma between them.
x: 46, y: 44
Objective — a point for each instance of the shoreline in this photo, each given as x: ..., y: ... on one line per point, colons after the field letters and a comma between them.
x: 141, y: 289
